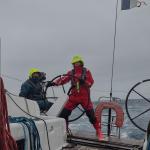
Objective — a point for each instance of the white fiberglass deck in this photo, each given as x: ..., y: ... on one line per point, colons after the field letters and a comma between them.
x: 56, y: 126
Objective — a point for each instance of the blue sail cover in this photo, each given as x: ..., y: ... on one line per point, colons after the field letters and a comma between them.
x: 128, y: 4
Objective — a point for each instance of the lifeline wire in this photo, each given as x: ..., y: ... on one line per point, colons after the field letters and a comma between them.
x: 12, y: 78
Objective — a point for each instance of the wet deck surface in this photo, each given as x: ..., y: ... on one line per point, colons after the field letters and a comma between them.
x: 85, y: 148
x: 106, y: 140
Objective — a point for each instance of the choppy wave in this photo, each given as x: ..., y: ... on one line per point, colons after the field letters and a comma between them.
x: 127, y: 131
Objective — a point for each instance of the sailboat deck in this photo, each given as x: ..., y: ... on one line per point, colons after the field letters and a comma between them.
x: 90, y: 142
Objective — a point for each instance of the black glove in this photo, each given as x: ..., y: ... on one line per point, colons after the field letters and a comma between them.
x: 49, y: 83
x: 81, y: 81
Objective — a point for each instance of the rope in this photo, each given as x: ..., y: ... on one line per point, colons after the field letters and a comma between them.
x: 33, y: 132
x: 26, y: 134
x: 6, y: 140
x: 0, y: 56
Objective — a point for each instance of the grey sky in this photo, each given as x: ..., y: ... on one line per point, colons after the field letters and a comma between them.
x: 46, y: 34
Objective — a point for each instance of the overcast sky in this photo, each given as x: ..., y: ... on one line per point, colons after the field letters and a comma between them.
x: 45, y: 34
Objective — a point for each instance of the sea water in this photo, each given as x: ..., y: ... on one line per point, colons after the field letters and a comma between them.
x: 127, y: 131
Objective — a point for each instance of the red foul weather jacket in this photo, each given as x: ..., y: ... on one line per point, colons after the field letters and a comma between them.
x: 80, y: 93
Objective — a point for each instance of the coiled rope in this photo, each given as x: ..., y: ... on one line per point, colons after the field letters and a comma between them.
x: 6, y: 140
x: 34, y: 137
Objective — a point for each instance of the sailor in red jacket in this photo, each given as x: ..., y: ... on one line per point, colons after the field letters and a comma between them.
x: 81, y: 81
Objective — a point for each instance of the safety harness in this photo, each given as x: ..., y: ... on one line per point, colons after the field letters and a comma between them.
x: 83, y: 76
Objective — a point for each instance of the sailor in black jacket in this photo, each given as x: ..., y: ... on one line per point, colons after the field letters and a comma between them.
x: 32, y: 89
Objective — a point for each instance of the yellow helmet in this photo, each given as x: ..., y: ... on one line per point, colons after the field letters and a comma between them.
x: 77, y: 58
x: 33, y: 70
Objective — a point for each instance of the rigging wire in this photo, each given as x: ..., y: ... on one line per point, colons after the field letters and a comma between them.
x: 112, y: 68
x: 114, y: 49
x: 12, y: 78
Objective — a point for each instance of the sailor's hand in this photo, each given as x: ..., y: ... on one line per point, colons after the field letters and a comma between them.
x: 49, y: 83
